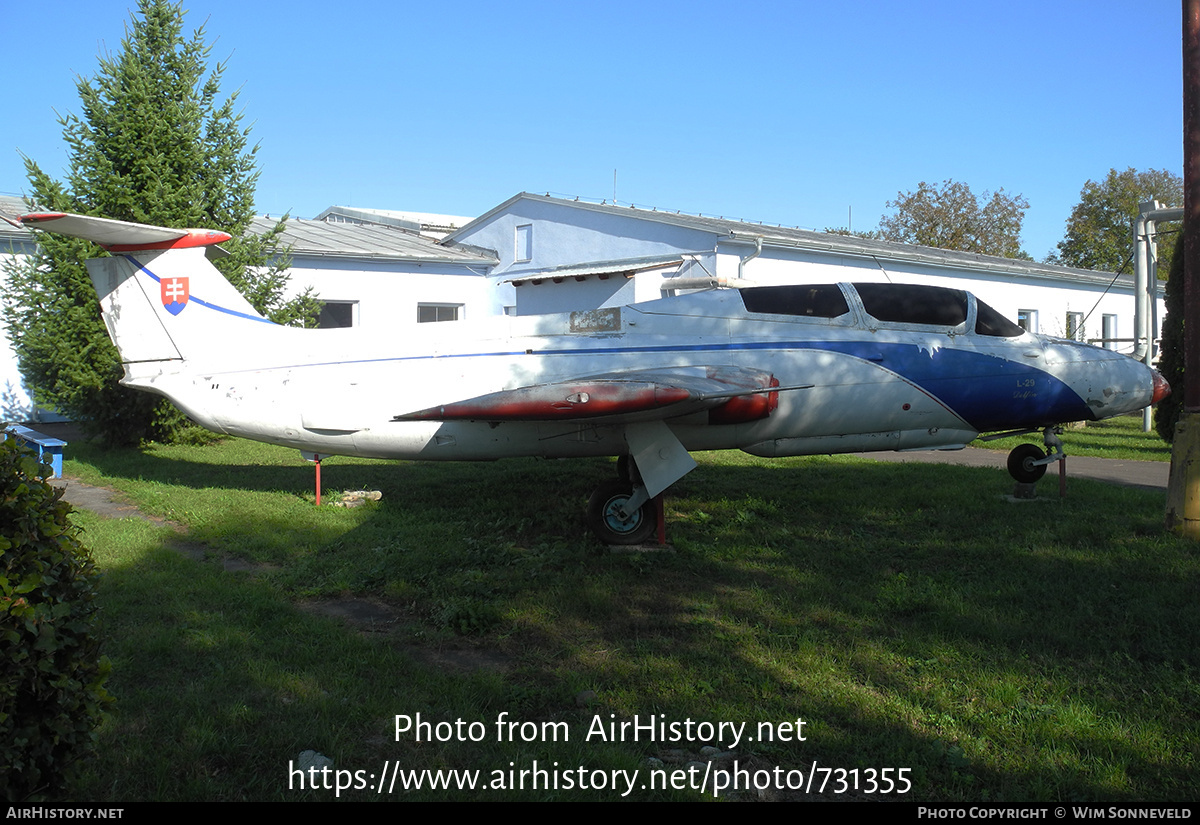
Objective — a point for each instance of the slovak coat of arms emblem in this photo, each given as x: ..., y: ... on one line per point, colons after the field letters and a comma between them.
x: 174, y: 292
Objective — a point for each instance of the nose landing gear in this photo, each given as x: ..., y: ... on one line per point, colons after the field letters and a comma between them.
x: 1027, y: 462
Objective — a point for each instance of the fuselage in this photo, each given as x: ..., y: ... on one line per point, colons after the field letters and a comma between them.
x: 913, y: 368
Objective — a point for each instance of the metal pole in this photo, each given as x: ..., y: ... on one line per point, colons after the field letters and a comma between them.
x: 1141, y: 276
x: 1143, y: 297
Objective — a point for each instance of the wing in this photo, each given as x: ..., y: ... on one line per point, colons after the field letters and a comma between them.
x: 730, y: 394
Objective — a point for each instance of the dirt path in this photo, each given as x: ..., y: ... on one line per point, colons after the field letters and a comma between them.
x: 101, y: 500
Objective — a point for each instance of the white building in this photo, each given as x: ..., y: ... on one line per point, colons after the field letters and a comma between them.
x: 556, y: 255
x: 15, y: 244
x: 385, y: 276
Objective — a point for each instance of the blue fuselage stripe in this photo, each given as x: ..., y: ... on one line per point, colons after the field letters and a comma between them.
x: 987, y: 391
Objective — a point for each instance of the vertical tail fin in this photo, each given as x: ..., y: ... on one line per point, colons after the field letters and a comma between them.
x: 162, y: 299
x: 169, y: 305
x: 132, y: 322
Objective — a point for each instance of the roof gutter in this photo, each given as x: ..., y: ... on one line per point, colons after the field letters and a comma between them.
x: 984, y: 264
x: 758, y: 242
x: 387, y: 256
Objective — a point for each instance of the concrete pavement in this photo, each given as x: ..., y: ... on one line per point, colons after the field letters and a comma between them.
x: 1150, y: 475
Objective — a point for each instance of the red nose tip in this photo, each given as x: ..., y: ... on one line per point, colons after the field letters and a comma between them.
x: 1161, y: 388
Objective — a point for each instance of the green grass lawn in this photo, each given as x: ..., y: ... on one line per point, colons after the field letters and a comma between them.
x: 912, y: 616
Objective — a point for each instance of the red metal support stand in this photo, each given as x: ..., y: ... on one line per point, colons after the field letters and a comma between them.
x: 1062, y: 477
x: 317, y: 462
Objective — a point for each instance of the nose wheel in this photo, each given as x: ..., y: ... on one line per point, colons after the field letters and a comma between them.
x: 1027, y: 462
x: 1023, y: 463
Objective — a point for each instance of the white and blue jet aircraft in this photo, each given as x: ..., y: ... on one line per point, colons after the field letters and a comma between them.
x: 771, y: 370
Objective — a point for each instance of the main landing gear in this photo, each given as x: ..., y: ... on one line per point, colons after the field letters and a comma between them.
x: 621, y: 511
x: 1027, y: 462
x: 625, y: 510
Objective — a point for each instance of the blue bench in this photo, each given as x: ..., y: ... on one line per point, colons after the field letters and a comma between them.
x: 49, y: 450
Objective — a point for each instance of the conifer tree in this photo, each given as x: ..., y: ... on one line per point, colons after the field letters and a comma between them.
x: 154, y: 143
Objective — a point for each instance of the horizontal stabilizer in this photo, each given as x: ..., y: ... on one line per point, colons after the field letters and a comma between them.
x: 122, y: 236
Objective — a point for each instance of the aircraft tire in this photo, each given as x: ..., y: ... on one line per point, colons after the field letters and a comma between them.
x: 602, y: 517
x: 627, y: 469
x: 1021, y: 466
x: 623, y: 465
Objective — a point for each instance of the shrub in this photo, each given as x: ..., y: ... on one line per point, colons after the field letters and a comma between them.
x: 51, y: 673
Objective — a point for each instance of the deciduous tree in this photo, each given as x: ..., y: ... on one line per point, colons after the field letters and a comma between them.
x: 154, y: 143
x: 951, y: 216
x: 1099, y: 232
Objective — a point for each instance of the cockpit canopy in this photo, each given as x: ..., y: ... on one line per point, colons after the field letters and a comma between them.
x: 890, y: 303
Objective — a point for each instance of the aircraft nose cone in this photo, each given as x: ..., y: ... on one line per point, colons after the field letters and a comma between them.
x: 1161, y: 388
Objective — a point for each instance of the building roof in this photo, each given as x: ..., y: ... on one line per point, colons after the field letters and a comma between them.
x: 365, y: 241
x: 579, y: 272
x: 12, y: 207
x: 427, y: 223
x: 783, y: 236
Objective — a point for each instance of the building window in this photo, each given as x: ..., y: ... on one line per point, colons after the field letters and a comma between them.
x: 1075, y: 326
x: 337, y: 314
x: 1027, y: 319
x: 524, y: 250
x: 431, y: 313
x: 1110, y: 331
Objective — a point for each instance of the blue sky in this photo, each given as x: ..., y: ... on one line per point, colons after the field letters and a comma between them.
x: 790, y: 113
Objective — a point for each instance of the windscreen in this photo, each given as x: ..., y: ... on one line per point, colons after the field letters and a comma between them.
x: 990, y: 322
